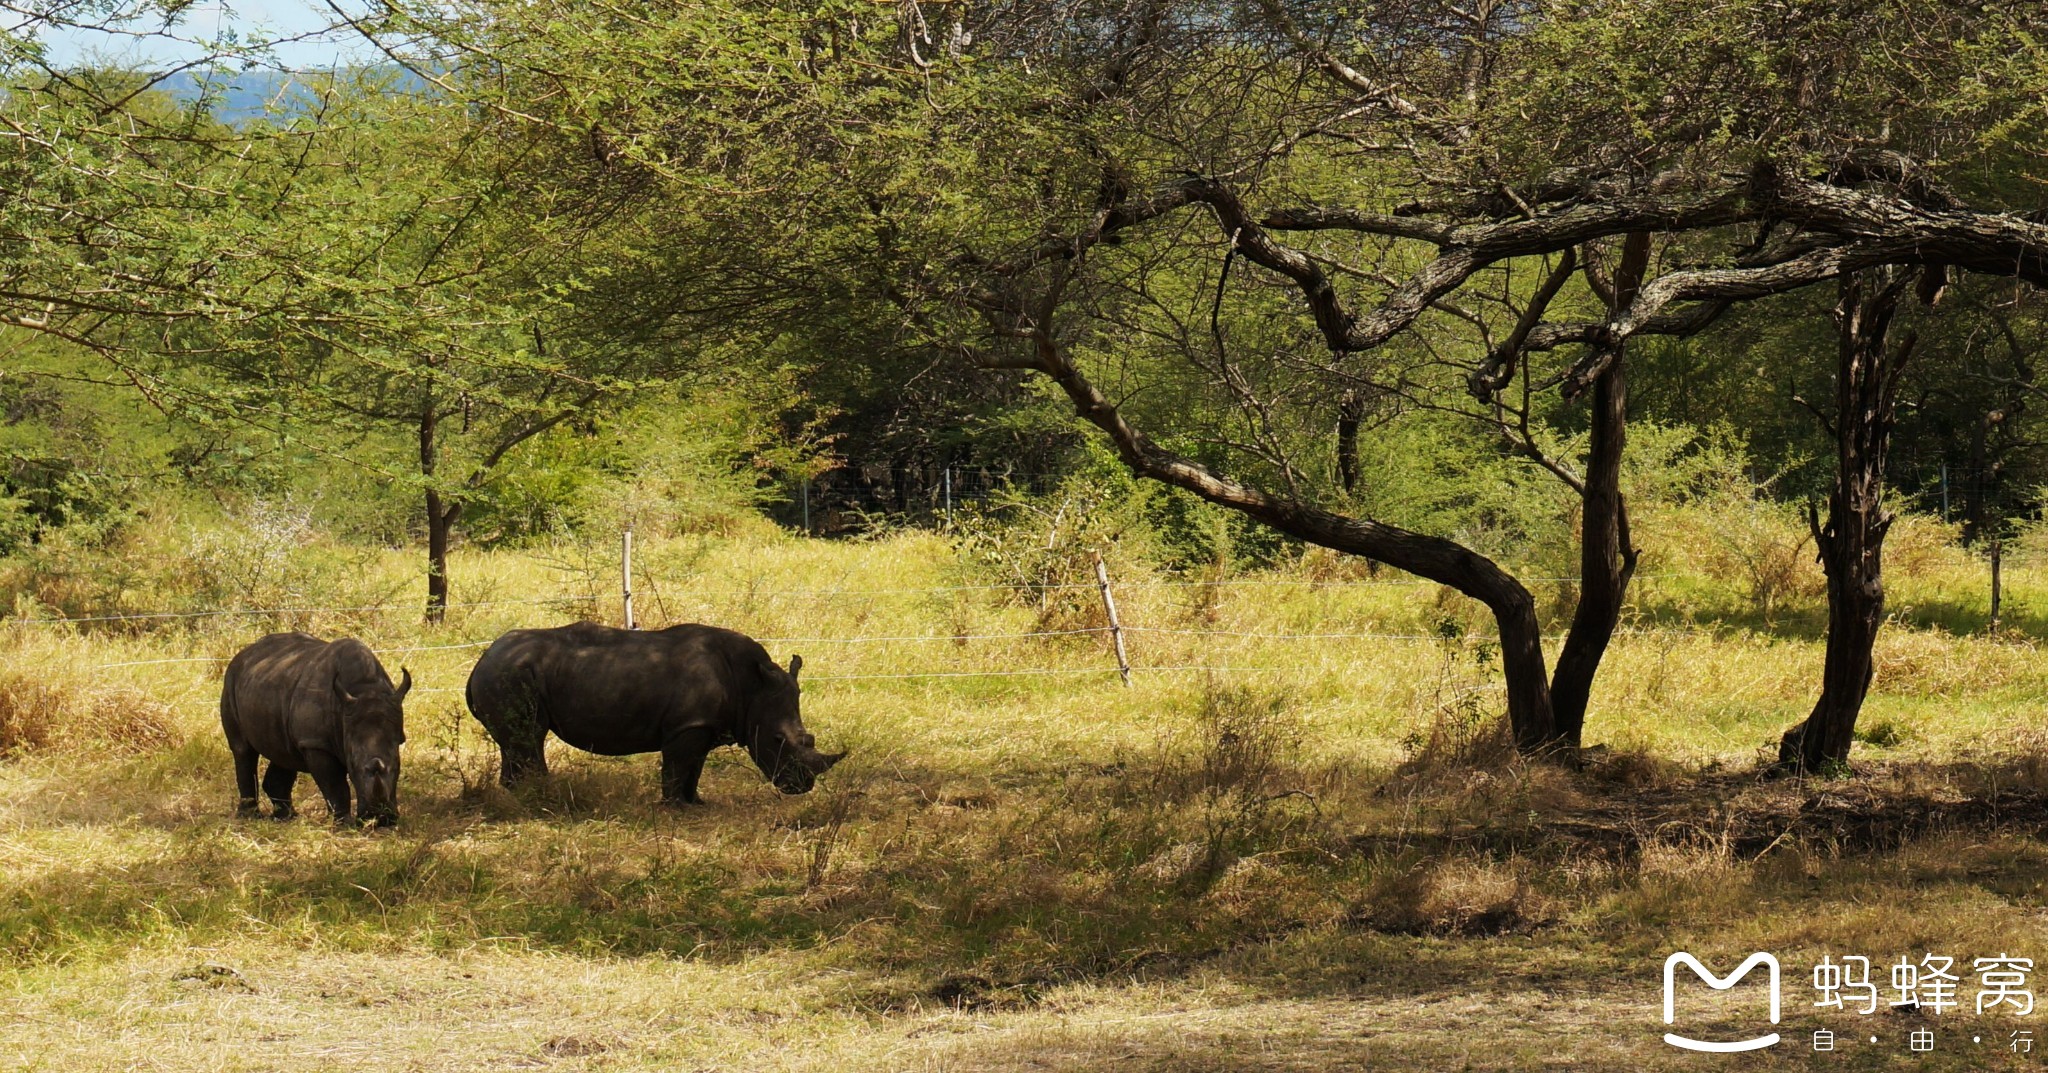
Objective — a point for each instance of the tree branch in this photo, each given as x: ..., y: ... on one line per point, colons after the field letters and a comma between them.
x: 1726, y: 285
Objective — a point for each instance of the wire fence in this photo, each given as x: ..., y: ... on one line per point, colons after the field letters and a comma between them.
x: 586, y: 599
x: 233, y: 612
x: 1115, y: 629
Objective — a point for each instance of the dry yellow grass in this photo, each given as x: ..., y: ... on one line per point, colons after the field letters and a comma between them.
x: 1292, y: 864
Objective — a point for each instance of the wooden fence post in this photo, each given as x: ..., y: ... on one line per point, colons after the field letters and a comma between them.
x: 1116, y: 628
x: 626, y: 576
x: 1997, y: 588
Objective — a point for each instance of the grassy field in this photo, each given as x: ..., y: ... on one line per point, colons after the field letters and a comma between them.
x: 1269, y: 852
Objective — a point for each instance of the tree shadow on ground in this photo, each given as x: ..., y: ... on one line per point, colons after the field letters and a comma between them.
x: 923, y: 888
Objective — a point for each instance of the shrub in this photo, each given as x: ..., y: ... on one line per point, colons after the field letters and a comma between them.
x: 687, y: 461
x: 1466, y: 724
x: 257, y: 558
x: 1044, y: 547
x: 1764, y: 549
x: 1918, y: 545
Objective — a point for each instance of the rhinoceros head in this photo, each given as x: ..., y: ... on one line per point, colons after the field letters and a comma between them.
x: 781, y: 747
x: 372, y: 729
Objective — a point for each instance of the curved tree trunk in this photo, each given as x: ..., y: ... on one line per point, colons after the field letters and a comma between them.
x: 1851, y: 544
x: 1436, y: 558
x: 1607, y: 558
x: 1530, y: 712
x: 1853, y: 558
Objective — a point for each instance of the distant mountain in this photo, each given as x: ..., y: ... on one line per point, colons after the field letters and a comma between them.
x: 242, y: 95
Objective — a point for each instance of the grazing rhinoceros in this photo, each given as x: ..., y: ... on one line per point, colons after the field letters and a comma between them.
x: 680, y: 692
x: 319, y: 706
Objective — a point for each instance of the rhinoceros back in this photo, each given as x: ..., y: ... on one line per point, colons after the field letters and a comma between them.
x: 611, y: 691
x: 267, y: 696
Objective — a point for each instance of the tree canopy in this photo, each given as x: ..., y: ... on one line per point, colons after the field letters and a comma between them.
x: 1238, y: 240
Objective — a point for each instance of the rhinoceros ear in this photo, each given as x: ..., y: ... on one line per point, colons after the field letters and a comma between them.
x: 344, y: 694
x: 405, y: 683
x: 796, y: 663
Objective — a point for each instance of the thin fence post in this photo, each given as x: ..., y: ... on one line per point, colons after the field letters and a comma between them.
x: 1116, y: 628
x: 626, y: 576
x: 949, y: 495
x: 1997, y: 589
x: 807, y: 506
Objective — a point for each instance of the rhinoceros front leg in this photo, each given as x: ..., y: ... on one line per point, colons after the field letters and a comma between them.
x: 682, y: 763
x: 519, y: 761
x: 332, y: 779
x: 277, y: 785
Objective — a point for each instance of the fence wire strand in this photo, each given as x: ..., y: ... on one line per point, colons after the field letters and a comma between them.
x: 143, y: 616
x: 1248, y: 635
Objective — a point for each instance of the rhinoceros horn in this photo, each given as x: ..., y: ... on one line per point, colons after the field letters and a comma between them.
x: 821, y: 763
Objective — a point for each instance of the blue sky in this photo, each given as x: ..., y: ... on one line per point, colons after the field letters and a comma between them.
x: 146, y: 44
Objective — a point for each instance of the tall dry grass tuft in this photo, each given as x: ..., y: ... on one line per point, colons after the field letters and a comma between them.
x: 1465, y: 725
x: 2015, y: 759
x: 1245, y: 739
x: 37, y: 714
x: 1921, y: 545
x: 28, y: 711
x: 1455, y: 897
x: 1231, y: 786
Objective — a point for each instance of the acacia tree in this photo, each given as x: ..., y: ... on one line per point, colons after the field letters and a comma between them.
x: 1809, y: 223
x: 1013, y: 182
x: 364, y: 262
x: 1047, y: 148
x: 1864, y: 207
x: 434, y: 300
x: 1869, y: 370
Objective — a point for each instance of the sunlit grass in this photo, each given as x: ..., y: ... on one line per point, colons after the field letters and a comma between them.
x: 1240, y: 868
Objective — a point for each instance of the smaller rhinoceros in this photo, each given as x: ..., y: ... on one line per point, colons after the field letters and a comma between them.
x: 325, y: 707
x: 680, y: 692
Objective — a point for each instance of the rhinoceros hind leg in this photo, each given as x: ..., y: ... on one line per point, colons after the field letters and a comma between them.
x: 245, y: 779
x: 277, y: 785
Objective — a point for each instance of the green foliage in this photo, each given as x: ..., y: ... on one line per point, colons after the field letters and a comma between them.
x: 684, y: 460
x: 263, y: 554
x: 1652, y: 84
x: 41, y: 493
x: 1051, y: 539
x: 72, y: 456
x: 497, y: 292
